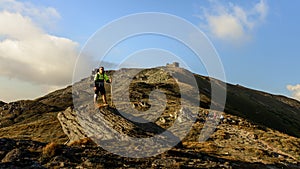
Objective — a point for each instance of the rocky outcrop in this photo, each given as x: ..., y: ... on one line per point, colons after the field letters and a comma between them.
x: 234, y: 138
x: 70, y: 125
x: 108, y: 125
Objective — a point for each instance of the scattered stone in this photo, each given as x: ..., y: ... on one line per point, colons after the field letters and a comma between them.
x: 14, y: 155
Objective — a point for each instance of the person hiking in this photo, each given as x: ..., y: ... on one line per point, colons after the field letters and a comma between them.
x: 99, y: 79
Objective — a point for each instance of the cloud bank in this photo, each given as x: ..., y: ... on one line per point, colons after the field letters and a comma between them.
x: 233, y: 23
x: 28, y: 52
x: 295, y: 91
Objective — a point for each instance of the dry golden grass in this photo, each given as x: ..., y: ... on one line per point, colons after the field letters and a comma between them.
x: 82, y: 142
x: 46, y: 128
x: 50, y: 150
x: 208, y: 147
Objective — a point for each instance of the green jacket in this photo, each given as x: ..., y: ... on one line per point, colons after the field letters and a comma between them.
x: 100, y: 78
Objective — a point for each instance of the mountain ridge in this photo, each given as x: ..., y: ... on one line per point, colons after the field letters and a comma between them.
x: 258, y: 129
x: 62, y: 99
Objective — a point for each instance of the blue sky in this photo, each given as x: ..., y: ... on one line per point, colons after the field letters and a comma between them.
x: 257, y: 41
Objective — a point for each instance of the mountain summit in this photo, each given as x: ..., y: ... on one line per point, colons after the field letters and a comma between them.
x: 256, y: 129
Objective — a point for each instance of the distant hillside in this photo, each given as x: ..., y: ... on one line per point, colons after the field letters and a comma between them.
x: 277, y: 112
x: 2, y: 103
x: 61, y: 99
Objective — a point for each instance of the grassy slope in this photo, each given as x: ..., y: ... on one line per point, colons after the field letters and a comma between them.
x: 276, y: 112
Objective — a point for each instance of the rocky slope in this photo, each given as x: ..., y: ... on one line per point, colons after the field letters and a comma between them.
x: 257, y: 130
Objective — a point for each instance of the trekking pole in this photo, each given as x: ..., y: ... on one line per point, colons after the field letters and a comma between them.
x: 111, y: 94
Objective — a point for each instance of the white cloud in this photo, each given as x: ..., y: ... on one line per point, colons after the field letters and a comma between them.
x: 32, y: 61
x: 226, y: 27
x: 231, y: 22
x: 30, y: 54
x: 295, y: 91
x: 261, y: 9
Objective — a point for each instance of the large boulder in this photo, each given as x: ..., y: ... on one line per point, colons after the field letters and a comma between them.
x: 70, y: 125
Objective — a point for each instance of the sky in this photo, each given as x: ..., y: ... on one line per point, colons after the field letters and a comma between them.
x: 42, y: 43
